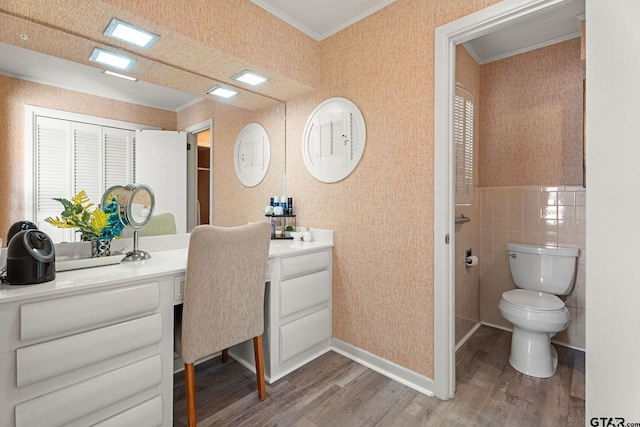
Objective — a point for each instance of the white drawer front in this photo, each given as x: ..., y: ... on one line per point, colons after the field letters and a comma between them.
x: 146, y: 414
x: 61, y: 407
x: 41, y: 361
x: 304, y: 292
x: 302, y: 334
x: 302, y: 264
x: 66, y: 315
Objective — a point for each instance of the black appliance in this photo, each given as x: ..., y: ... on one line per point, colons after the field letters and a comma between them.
x: 19, y: 226
x: 30, y: 258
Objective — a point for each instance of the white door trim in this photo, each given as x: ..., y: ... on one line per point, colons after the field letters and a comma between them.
x: 446, y: 38
x: 192, y: 166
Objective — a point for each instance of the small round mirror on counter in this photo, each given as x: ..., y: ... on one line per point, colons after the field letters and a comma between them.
x: 136, y: 203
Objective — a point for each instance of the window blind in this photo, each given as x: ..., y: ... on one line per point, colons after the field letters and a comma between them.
x: 463, y: 139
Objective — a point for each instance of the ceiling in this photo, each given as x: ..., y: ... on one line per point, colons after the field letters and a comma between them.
x: 554, y: 26
x: 168, y: 88
x: 320, y: 19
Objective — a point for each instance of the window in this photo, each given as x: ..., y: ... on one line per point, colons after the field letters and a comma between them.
x: 67, y: 156
x: 463, y: 136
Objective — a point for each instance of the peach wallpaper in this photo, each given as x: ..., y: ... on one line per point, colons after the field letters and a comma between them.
x: 15, y: 94
x: 233, y: 203
x: 239, y: 28
x: 531, y: 111
x: 382, y: 213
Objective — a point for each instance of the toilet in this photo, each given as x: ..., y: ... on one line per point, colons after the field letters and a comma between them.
x: 534, y: 310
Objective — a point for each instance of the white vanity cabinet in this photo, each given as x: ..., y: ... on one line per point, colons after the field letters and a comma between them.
x: 297, y: 313
x: 93, y: 357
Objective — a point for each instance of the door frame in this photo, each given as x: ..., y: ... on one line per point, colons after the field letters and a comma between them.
x: 447, y: 37
x: 192, y: 172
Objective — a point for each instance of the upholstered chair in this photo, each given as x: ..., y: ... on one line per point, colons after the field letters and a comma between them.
x: 223, y: 302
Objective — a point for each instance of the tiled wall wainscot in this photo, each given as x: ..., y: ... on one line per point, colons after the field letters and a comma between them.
x: 546, y: 215
x: 467, y: 287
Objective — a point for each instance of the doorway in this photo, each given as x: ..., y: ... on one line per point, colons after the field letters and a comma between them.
x: 200, y: 174
x: 448, y: 36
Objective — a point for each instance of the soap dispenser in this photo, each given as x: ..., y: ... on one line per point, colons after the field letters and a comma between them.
x: 307, y: 235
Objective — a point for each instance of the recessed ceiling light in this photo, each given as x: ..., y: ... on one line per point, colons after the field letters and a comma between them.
x: 222, y: 92
x: 130, y: 34
x: 250, y: 78
x: 115, y: 60
x: 122, y: 76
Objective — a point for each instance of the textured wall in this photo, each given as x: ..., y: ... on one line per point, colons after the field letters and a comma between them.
x: 531, y: 115
x: 382, y: 213
x: 14, y: 96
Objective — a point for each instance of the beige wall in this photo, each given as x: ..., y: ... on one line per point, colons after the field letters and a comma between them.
x: 15, y: 95
x: 530, y: 162
x: 382, y: 213
x: 531, y: 115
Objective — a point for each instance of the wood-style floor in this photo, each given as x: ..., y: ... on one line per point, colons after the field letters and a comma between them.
x: 335, y: 391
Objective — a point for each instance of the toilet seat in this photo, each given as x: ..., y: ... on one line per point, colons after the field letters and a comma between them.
x: 534, y: 301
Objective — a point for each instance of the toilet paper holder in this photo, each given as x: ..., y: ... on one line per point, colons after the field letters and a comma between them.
x: 470, y: 260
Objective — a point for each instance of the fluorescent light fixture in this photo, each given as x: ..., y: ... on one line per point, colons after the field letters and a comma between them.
x: 122, y: 76
x: 222, y: 92
x: 115, y: 60
x: 250, y: 78
x: 130, y: 34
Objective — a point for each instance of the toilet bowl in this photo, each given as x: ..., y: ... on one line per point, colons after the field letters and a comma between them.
x: 534, y: 310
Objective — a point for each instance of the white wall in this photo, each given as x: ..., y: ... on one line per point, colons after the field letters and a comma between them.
x: 613, y: 191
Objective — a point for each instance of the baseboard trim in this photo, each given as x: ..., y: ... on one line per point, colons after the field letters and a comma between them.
x: 469, y: 334
x: 411, y: 379
x: 573, y: 347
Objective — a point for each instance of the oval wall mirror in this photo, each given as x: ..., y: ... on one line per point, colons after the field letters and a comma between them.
x: 334, y: 139
x: 252, y: 155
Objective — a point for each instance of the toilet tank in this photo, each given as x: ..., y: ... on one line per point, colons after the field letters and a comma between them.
x: 543, y: 268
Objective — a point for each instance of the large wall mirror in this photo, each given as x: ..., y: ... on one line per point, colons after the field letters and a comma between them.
x: 186, y: 106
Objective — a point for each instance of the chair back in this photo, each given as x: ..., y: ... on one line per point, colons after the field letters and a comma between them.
x: 223, y: 303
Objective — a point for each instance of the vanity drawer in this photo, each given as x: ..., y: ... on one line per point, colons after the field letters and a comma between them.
x: 74, y: 402
x: 49, y: 359
x: 304, y: 264
x: 302, y: 334
x: 67, y: 315
x: 304, y: 292
x: 146, y: 414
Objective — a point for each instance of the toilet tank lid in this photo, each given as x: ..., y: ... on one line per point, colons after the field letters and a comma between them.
x: 542, y: 250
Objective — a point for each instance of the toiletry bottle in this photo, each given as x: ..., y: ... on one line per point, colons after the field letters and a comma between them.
x: 273, y: 228
x: 307, y: 235
x: 290, y: 206
x: 283, y: 204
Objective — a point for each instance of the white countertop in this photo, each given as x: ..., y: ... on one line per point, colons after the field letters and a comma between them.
x: 169, y: 258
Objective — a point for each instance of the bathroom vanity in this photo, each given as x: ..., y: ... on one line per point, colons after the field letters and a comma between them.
x: 95, y: 346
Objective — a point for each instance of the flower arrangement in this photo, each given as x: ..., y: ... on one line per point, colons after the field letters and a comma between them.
x: 94, y: 224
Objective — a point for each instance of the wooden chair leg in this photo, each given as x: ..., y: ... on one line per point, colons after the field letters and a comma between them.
x: 257, y: 350
x: 225, y: 355
x: 191, y: 394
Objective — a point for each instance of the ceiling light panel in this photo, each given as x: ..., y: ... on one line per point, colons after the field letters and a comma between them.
x: 122, y: 76
x: 250, y: 78
x: 222, y: 92
x: 131, y: 34
x: 111, y: 59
